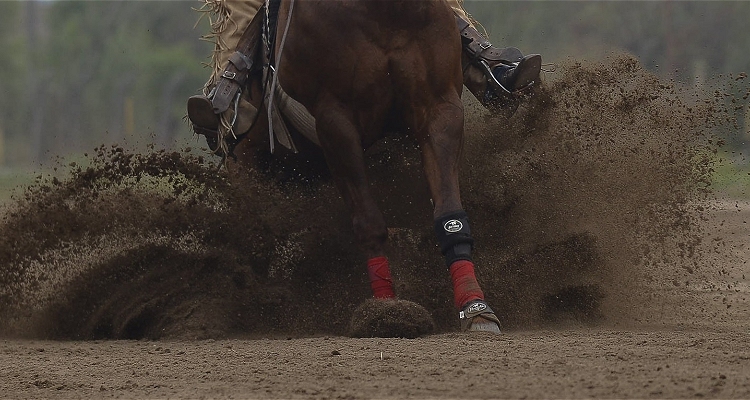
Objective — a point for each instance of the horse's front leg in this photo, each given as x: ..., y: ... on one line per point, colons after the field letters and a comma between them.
x: 383, y: 316
x: 441, y: 141
x: 344, y: 154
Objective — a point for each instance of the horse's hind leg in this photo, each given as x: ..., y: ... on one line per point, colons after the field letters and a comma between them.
x: 343, y: 151
x: 441, y: 140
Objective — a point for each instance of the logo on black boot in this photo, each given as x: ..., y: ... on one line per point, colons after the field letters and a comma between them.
x: 476, y: 307
x: 453, y: 226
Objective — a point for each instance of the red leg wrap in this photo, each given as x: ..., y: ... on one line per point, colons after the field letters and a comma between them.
x: 380, y: 278
x: 465, y: 285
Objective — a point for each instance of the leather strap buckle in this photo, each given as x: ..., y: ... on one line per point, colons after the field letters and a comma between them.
x: 229, y: 75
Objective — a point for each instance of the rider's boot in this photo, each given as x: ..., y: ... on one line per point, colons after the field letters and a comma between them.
x: 205, y: 111
x: 496, y: 77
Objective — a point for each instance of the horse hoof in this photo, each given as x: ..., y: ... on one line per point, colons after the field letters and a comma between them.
x: 479, y: 324
x: 390, y: 318
x: 477, y: 316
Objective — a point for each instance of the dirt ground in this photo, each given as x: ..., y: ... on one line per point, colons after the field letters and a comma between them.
x: 601, y: 363
x: 690, y: 345
x: 615, y: 270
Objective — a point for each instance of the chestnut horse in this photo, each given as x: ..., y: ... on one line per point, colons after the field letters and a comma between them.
x: 359, y: 65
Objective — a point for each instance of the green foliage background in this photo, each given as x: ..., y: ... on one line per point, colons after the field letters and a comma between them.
x: 71, y: 69
x: 673, y: 37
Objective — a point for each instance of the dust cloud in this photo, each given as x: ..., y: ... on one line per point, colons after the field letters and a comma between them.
x: 592, y: 192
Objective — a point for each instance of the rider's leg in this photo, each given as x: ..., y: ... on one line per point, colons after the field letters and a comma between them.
x: 492, y: 74
x: 229, y: 20
x: 209, y: 113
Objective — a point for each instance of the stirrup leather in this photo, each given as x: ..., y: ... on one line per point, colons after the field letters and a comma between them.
x: 231, y: 82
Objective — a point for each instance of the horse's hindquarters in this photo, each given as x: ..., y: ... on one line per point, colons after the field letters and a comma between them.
x: 380, y: 59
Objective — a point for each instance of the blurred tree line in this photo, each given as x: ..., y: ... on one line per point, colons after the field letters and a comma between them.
x: 681, y: 39
x: 700, y: 43
x: 76, y: 74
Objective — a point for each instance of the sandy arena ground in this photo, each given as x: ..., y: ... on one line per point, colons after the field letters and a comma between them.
x: 693, y: 344
x: 584, y: 208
